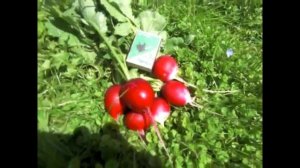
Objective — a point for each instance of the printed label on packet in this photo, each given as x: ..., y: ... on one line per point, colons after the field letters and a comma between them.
x: 144, y: 50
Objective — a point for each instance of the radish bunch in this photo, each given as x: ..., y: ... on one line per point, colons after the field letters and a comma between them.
x: 137, y: 100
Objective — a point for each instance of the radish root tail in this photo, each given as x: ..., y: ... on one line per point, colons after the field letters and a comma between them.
x: 159, y: 136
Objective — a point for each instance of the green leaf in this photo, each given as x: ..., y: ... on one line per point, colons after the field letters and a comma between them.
x: 202, y: 115
x: 95, y: 19
x: 151, y: 21
x: 189, y: 136
x: 245, y: 161
x: 85, y: 56
x: 107, y: 56
x: 123, y: 29
x: 173, y: 43
x: 113, y: 11
x: 185, y: 122
x: 179, y: 161
x: 100, y: 20
x: 98, y: 165
x: 41, y: 28
x: 60, y: 59
x: 63, y: 36
x: 74, y: 163
x: 204, y: 157
x: 149, y: 137
x: 43, y: 118
x: 46, y: 65
x: 111, y: 163
x: 72, y: 17
x: 173, y: 133
x: 87, y: 8
x: 189, y: 164
x: 223, y: 156
x: 250, y: 148
x: 53, y: 30
x: 89, y: 57
x: 73, y: 41
x: 190, y: 38
x: 71, y: 71
x: 125, y: 7
x: 163, y: 35
x: 42, y: 15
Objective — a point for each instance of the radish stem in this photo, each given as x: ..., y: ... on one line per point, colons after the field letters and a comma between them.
x: 159, y: 136
x: 220, y: 91
x: 143, y: 140
x: 183, y: 81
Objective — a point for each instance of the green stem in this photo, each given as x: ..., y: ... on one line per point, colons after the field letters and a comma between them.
x: 117, y: 57
x: 88, y: 16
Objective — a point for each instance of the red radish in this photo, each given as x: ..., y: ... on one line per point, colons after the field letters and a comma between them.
x: 160, y: 110
x: 137, y: 121
x: 112, y: 101
x: 134, y: 121
x: 176, y: 93
x: 165, y: 68
x: 148, y: 120
x: 137, y: 94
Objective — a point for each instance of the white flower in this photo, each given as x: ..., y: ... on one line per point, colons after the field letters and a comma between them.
x: 229, y: 52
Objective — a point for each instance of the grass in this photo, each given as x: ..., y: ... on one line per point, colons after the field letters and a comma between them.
x: 75, y: 130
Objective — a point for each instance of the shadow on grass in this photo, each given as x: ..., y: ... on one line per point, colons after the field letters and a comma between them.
x: 107, y: 149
